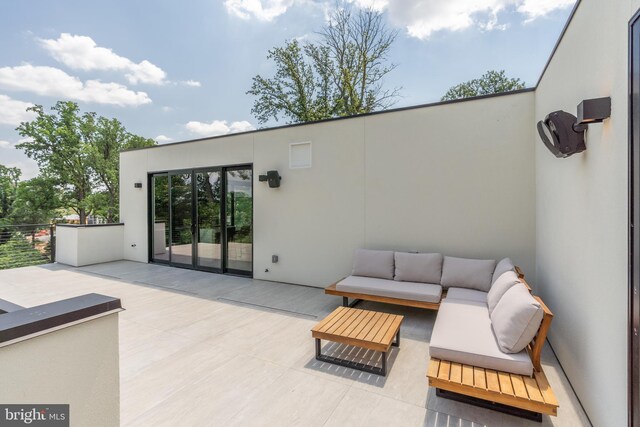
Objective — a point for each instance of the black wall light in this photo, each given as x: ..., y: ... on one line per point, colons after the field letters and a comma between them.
x: 563, y: 133
x: 137, y: 185
x: 272, y: 177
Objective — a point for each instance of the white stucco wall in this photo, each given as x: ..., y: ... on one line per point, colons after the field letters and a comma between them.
x: 77, y: 365
x: 79, y: 245
x: 581, y: 211
x: 455, y: 178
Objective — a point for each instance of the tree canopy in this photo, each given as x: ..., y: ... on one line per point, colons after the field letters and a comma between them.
x: 340, y: 75
x: 490, y: 82
x: 78, y: 155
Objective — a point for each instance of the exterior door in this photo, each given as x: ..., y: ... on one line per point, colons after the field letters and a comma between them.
x: 182, y: 225
x: 203, y: 219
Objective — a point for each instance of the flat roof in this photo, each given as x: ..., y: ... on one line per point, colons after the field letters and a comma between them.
x: 392, y: 110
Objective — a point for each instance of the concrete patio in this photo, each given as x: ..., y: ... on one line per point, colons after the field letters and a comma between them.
x: 205, y: 349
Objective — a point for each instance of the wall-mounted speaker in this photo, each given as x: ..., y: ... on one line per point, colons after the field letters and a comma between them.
x: 561, y: 134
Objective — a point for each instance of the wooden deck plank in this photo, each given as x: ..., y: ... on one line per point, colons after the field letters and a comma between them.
x: 355, y: 329
x: 532, y: 389
x: 479, y: 379
x: 374, y: 331
x: 434, y: 365
x: 370, y: 326
x: 545, y: 389
x: 519, y: 388
x: 505, y: 383
x: 493, y: 383
x: 467, y: 375
x: 331, y: 327
x: 445, y: 368
x: 393, y: 330
x: 383, y: 330
x: 456, y: 372
x: 349, y: 323
x: 330, y: 320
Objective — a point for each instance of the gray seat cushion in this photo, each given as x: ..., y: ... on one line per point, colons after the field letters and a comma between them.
x: 370, y: 263
x: 425, y: 292
x: 467, y: 273
x: 516, y: 319
x: 422, y: 268
x: 501, y: 285
x: 503, y: 266
x: 462, y: 333
x: 467, y: 295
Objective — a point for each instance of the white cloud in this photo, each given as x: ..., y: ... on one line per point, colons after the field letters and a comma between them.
x: 166, y: 109
x: 49, y: 81
x: 28, y: 167
x: 218, y: 127
x: 192, y: 83
x: 12, y: 111
x: 537, y: 8
x: 163, y: 138
x: 420, y: 18
x: 263, y: 10
x: 5, y: 144
x: 82, y: 53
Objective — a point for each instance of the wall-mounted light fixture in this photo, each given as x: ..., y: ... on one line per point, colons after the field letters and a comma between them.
x: 563, y: 133
x: 594, y: 110
x: 137, y: 185
x: 272, y: 177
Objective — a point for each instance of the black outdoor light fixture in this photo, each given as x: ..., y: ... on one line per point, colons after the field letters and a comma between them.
x: 137, y: 185
x: 272, y: 177
x: 563, y: 133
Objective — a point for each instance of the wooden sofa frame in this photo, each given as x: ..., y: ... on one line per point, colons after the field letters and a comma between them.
x: 519, y: 395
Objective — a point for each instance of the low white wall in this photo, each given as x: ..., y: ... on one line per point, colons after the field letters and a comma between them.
x: 455, y: 178
x: 77, y: 365
x: 79, y: 245
x: 581, y: 210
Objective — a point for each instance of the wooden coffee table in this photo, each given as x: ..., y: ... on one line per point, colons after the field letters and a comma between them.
x: 372, y: 330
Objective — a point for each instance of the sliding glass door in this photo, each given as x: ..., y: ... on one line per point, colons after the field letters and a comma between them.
x: 203, y: 219
x: 209, y: 213
x: 239, y: 221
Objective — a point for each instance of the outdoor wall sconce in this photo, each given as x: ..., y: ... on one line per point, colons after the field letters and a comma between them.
x: 563, y: 133
x: 272, y: 177
x: 137, y: 185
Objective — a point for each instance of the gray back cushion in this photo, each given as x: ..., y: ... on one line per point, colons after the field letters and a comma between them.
x: 516, y: 319
x: 500, y: 286
x: 370, y: 263
x: 423, y: 268
x: 503, y: 266
x: 467, y: 273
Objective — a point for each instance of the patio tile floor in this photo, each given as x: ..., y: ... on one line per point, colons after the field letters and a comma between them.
x: 204, y: 349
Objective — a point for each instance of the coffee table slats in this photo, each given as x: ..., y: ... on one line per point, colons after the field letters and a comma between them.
x: 364, y: 328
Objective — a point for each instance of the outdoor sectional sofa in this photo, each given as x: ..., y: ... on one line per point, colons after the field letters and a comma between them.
x: 489, y: 332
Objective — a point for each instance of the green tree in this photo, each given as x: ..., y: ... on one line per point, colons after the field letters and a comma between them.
x: 9, y: 178
x: 108, y: 139
x: 58, y: 143
x: 79, y: 154
x: 490, y: 82
x: 37, y: 201
x: 341, y: 75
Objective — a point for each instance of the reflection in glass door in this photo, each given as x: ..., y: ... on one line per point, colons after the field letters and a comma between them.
x: 239, y: 221
x: 182, y: 227
x: 160, y: 217
x: 203, y: 219
x: 209, y: 233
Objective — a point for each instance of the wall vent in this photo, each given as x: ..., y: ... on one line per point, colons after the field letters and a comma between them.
x: 300, y: 155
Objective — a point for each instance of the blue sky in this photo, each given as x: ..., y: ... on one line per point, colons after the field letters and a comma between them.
x: 180, y: 70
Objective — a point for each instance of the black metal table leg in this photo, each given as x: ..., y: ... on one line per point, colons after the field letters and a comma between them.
x: 384, y: 363
x: 318, y: 347
x: 345, y: 302
x: 351, y: 364
x: 396, y: 343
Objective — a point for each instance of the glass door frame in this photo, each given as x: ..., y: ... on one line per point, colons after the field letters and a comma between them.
x: 222, y: 170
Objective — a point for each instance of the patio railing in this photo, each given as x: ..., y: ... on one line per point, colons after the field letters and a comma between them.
x: 22, y: 245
